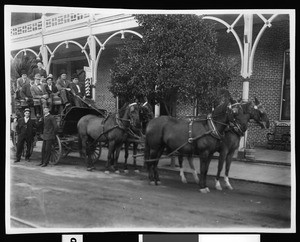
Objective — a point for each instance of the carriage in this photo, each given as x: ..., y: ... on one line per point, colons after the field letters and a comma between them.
x: 66, y: 140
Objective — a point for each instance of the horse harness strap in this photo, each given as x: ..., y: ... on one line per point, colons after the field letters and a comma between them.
x: 236, y: 128
x: 190, y: 139
x: 214, y: 132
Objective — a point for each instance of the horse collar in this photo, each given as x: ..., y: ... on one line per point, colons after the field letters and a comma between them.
x: 119, y: 122
x: 214, y: 132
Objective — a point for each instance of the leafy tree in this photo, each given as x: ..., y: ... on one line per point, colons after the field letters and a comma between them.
x: 175, y: 61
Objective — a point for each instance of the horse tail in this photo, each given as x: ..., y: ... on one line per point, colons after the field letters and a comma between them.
x: 146, y: 152
x: 80, y: 145
x: 79, y: 138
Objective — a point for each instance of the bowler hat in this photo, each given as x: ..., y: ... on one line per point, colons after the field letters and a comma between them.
x: 74, y: 76
x: 27, y: 110
x: 37, y: 76
x: 23, y: 72
x: 63, y: 71
x: 49, y: 77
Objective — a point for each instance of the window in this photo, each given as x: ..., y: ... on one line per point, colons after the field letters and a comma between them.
x: 285, y: 92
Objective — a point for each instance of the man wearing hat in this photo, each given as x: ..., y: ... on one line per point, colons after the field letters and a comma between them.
x: 49, y: 131
x: 52, y: 90
x: 40, y: 69
x: 63, y: 86
x: 21, y: 81
x: 38, y: 90
x: 26, y: 92
x: 25, y: 128
x: 77, y: 90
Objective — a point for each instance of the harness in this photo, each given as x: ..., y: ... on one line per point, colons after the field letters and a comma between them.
x: 119, y: 125
x: 236, y: 128
x: 212, y: 131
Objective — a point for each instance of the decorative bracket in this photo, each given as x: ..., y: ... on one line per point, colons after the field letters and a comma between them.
x: 246, y: 51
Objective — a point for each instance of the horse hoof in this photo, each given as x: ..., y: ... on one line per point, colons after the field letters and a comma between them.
x: 89, y: 169
x: 117, y: 172
x: 137, y: 171
x: 158, y: 183
x: 218, y: 186
x: 229, y: 187
x: 152, y: 183
x: 126, y: 171
x: 203, y: 190
x: 106, y: 172
x: 207, y: 189
x: 184, y: 180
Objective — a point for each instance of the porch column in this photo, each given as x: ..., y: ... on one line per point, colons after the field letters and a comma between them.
x: 156, y: 108
x: 93, y: 55
x: 248, y: 30
x: 44, y: 53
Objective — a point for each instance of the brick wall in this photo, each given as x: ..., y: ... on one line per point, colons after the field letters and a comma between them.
x: 266, y: 79
x: 104, y: 98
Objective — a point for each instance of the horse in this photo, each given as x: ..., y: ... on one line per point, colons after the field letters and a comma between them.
x: 112, y: 130
x: 232, y: 138
x: 138, y: 135
x: 230, y: 141
x: 199, y: 136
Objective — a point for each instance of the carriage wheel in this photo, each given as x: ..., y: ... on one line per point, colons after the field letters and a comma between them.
x: 96, y: 153
x: 56, y: 151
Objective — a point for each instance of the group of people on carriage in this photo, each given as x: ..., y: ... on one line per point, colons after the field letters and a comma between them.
x: 40, y: 90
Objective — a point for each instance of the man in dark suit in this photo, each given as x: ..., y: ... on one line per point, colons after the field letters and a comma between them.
x: 40, y: 70
x: 49, y: 131
x: 25, y: 128
x: 52, y: 91
x: 77, y: 90
x: 25, y: 92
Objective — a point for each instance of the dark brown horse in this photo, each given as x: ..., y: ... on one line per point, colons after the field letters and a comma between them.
x: 230, y: 141
x: 113, y: 130
x: 232, y: 138
x: 137, y: 136
x: 199, y: 137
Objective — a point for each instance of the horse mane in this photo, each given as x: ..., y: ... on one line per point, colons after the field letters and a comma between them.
x: 246, y: 106
x: 221, y: 108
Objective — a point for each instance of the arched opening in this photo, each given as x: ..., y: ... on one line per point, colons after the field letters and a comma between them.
x: 69, y: 56
x: 106, y: 52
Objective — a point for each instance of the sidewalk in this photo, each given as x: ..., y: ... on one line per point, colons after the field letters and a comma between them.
x: 270, y: 166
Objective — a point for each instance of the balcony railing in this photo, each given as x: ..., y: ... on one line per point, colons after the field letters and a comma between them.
x: 45, y: 24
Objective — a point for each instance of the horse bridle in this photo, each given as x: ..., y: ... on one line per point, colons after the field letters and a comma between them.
x: 130, y: 120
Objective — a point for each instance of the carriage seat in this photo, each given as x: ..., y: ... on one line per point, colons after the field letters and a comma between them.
x: 21, y: 103
x: 56, y: 100
x: 280, y: 137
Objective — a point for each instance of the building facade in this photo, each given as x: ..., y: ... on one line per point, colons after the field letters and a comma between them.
x: 74, y: 41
